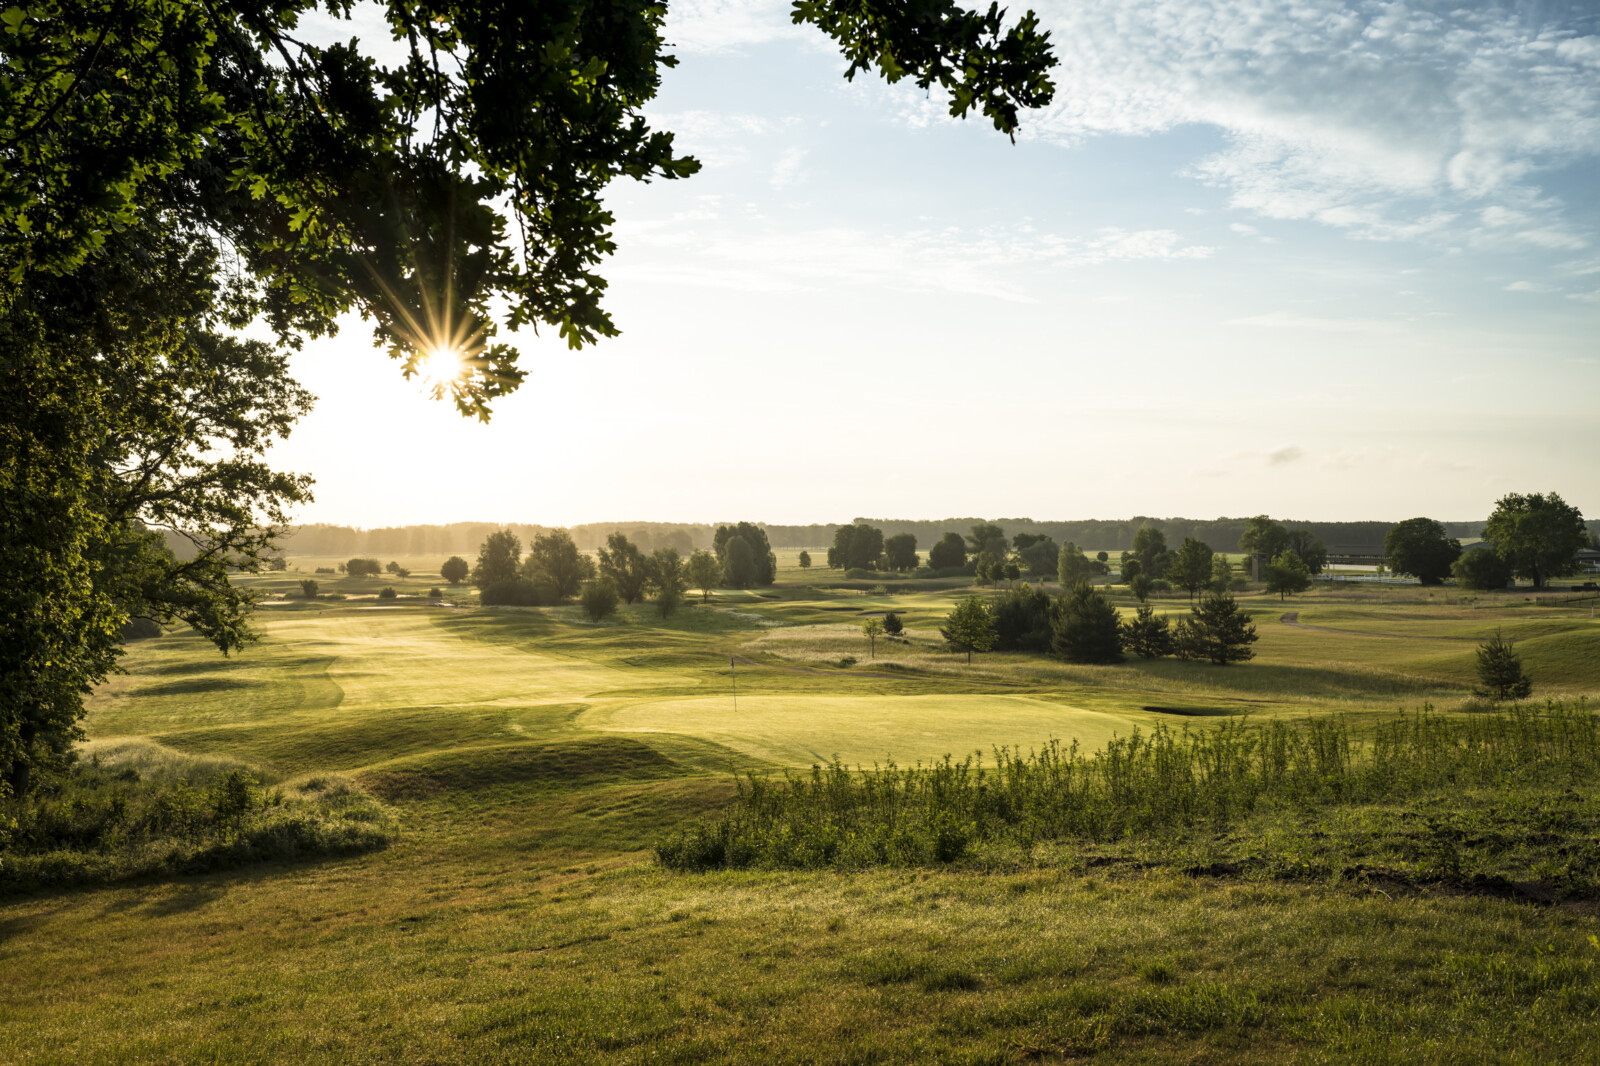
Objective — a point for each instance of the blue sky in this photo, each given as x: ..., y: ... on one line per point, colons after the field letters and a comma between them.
x: 1319, y: 259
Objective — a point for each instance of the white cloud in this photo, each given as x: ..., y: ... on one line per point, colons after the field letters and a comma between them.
x: 787, y: 170
x: 1283, y: 456
x: 1290, y: 320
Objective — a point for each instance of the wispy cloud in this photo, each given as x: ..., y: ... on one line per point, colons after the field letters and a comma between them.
x: 1290, y: 320
x: 1283, y: 456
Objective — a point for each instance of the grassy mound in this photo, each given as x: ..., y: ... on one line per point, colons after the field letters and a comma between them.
x: 1454, y: 796
x: 138, y: 809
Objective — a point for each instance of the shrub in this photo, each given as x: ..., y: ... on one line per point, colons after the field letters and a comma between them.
x: 1148, y: 635
x: 858, y: 574
x: 308, y: 589
x: 1481, y: 569
x: 1086, y: 628
x: 599, y: 598
x: 1500, y: 670
x: 515, y: 592
x: 1021, y: 620
x: 892, y: 624
x: 326, y: 570
x: 387, y: 593
x: 435, y: 593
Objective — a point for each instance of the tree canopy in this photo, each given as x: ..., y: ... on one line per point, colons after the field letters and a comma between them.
x: 1537, y: 535
x: 857, y: 546
x: 1420, y: 548
x: 625, y: 567
x: 949, y: 552
x: 1190, y: 568
x: 900, y: 551
x: 497, y: 559
x: 763, y: 566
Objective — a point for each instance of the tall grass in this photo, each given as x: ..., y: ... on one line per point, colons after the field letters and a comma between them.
x: 1164, y: 782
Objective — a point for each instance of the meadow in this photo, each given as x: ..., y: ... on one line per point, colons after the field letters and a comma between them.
x: 532, y: 762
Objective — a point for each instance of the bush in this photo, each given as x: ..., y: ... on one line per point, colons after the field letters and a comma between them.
x: 1481, y: 569
x: 435, y: 593
x: 599, y: 598
x: 326, y: 570
x: 308, y: 589
x: 892, y: 624
x: 858, y: 574
x: 515, y: 592
x: 387, y: 593
x: 1086, y: 628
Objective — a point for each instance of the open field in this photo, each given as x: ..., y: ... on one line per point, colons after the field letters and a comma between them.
x: 534, y: 758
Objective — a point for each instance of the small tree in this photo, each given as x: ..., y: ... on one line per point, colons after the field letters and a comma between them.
x: 892, y: 624
x: 1221, y: 631
x: 497, y: 559
x: 1287, y: 574
x: 704, y: 573
x: 1072, y: 566
x: 599, y: 598
x: 308, y: 589
x: 387, y: 593
x: 1101, y: 557
x: 1086, y: 627
x: 1481, y: 569
x: 1190, y: 568
x: 872, y: 628
x: 623, y: 562
x: 1148, y: 635
x: 455, y: 570
x: 1221, y: 573
x: 969, y: 628
x: 557, y: 557
x: 1012, y: 571
x: 1500, y: 670
x: 667, y: 577
x: 805, y: 560
x: 391, y: 567
x: 1140, y: 585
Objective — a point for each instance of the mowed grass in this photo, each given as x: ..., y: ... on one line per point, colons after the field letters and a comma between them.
x: 865, y: 729
x: 533, y: 760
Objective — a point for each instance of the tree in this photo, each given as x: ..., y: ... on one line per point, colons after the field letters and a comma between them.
x: 391, y: 567
x: 1190, y: 568
x: 665, y: 574
x: 497, y: 559
x: 1310, y: 548
x: 858, y: 546
x: 969, y: 627
x: 1022, y: 620
x: 1011, y: 571
x: 455, y: 570
x: 1130, y: 568
x: 1481, y: 569
x: 872, y: 629
x: 1218, y: 630
x: 1537, y: 535
x: 308, y: 589
x: 704, y: 573
x: 1150, y: 549
x: 805, y: 560
x: 624, y: 565
x: 1141, y: 585
x: 1041, y: 557
x: 170, y: 167
x: 1287, y: 574
x: 987, y: 538
x: 900, y: 551
x: 1087, y: 628
x: 1421, y: 548
x: 892, y: 624
x: 554, y: 553
x: 739, y: 563
x: 1263, y: 536
x: 1221, y: 573
x: 1148, y: 635
x: 1103, y: 559
x: 1500, y: 670
x: 949, y: 553
x: 363, y: 568
x: 1072, y: 566
x: 387, y: 593
x: 763, y: 568
x: 598, y: 598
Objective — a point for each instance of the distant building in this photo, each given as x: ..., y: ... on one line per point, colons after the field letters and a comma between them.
x: 1589, y: 560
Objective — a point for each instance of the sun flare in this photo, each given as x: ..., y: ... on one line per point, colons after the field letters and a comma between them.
x: 443, y: 364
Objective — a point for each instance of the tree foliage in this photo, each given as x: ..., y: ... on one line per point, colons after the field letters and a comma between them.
x: 498, y: 557
x: 1087, y: 628
x: 455, y: 570
x: 1310, y: 549
x: 969, y: 627
x: 1263, y: 536
x: 1040, y: 555
x: 1481, y: 569
x: 598, y: 598
x: 624, y: 566
x: 1217, y: 631
x: 1022, y: 619
x: 704, y: 573
x: 872, y: 629
x: 858, y: 546
x: 666, y: 575
x: 554, y: 554
x: 900, y: 551
x: 892, y: 624
x: 805, y: 560
x: 950, y: 552
x: 763, y: 566
x: 1072, y: 566
x: 1420, y: 548
x: 1150, y: 551
x: 1538, y: 535
x: 1190, y: 568
x: 1287, y: 574
x: 1500, y: 670
x: 1148, y: 635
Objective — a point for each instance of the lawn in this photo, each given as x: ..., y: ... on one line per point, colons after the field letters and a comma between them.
x: 533, y: 759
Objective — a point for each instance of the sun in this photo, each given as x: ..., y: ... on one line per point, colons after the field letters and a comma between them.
x: 443, y: 364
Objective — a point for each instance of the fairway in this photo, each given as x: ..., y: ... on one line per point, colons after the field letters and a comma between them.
x: 862, y: 730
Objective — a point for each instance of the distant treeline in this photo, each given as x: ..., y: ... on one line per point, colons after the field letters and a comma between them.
x: 462, y: 538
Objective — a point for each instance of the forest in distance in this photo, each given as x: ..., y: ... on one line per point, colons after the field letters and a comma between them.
x: 1220, y: 534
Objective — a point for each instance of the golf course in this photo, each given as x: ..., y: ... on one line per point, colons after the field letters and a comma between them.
x: 528, y: 762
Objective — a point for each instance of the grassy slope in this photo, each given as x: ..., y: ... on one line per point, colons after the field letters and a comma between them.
x: 514, y: 920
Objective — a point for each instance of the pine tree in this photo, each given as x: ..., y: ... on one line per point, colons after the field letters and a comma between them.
x: 892, y: 624
x: 1500, y: 670
x: 1148, y: 635
x: 1086, y: 628
x: 1225, y: 633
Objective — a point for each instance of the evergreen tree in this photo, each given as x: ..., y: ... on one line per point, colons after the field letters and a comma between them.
x: 1086, y: 627
x: 1500, y: 670
x: 1022, y: 620
x: 892, y: 624
x: 1148, y: 635
x: 1222, y: 632
x: 969, y: 627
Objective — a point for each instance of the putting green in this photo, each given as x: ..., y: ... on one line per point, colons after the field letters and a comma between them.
x: 801, y: 730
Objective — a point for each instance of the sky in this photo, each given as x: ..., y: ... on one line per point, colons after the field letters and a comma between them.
x: 1318, y: 259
